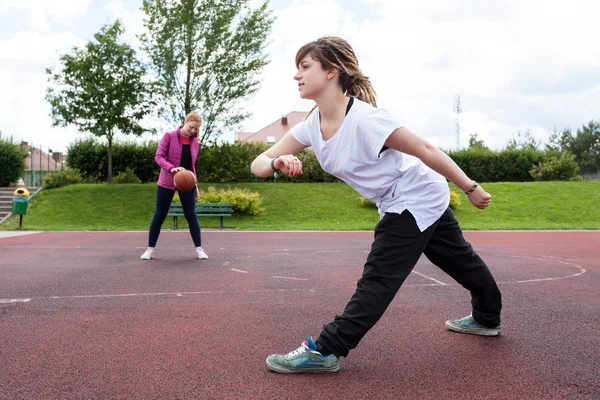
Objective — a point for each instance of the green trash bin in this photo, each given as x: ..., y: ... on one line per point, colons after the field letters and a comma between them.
x: 20, y: 203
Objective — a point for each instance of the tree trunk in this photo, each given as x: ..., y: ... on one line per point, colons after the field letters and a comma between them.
x: 110, y: 158
x: 189, y: 50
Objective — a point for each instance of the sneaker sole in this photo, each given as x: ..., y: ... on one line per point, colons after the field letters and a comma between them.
x: 283, y: 370
x: 473, y: 331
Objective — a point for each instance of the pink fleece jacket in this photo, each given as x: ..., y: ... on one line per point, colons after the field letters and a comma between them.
x: 168, y: 156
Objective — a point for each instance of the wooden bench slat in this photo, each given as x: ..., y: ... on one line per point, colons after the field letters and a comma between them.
x: 202, y: 210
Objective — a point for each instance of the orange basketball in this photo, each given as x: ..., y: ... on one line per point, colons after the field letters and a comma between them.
x: 185, y: 181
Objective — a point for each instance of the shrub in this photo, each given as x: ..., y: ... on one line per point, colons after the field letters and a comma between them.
x: 243, y: 201
x: 366, y: 203
x: 64, y: 177
x: 454, y: 200
x: 12, y: 162
x: 128, y: 176
x: 561, y: 167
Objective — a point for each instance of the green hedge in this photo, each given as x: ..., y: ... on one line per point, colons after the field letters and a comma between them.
x: 229, y: 163
x: 484, y: 165
x: 91, y: 159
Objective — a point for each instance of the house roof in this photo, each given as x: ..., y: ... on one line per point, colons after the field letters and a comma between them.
x: 276, y: 129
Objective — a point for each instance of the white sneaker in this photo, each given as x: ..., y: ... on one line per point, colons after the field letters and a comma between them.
x: 200, y: 254
x: 147, y: 255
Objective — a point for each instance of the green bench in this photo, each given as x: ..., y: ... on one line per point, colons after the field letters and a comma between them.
x: 202, y: 210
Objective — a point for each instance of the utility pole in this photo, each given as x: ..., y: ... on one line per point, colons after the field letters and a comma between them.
x: 457, y: 111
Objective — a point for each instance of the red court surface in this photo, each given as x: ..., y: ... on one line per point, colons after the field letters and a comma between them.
x: 82, y: 317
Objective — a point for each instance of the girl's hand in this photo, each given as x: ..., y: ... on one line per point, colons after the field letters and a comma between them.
x: 288, y: 164
x: 177, y: 169
x: 480, y: 198
x: 197, y: 193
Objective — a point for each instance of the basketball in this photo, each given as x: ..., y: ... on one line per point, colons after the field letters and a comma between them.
x: 185, y: 181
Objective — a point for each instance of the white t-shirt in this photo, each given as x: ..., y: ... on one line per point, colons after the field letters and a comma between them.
x: 394, y: 180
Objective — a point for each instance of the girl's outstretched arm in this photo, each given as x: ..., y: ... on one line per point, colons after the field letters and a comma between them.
x: 405, y: 141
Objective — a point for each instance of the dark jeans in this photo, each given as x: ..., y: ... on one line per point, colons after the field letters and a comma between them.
x: 395, y: 251
x: 164, y: 197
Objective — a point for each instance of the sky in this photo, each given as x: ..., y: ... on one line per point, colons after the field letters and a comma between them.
x: 518, y: 65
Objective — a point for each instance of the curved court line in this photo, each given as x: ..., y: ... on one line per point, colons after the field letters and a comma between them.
x: 581, y: 271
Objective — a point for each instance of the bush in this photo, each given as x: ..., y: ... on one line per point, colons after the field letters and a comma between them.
x: 366, y: 203
x: 128, y: 176
x: 12, y: 162
x: 64, y: 177
x: 509, y: 165
x: 243, y: 200
x: 562, y: 167
x: 454, y: 200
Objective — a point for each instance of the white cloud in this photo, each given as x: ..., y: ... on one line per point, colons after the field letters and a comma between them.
x: 517, y: 65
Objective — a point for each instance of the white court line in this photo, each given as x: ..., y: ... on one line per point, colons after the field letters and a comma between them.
x: 581, y: 272
x: 290, y: 278
x: 428, y: 277
x: 180, y: 294
x: 238, y: 270
x: 102, y: 296
x: 9, y: 301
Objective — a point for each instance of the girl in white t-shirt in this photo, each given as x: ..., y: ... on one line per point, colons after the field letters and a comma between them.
x: 405, y: 175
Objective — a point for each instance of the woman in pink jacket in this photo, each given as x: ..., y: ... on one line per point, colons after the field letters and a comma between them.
x: 177, y: 151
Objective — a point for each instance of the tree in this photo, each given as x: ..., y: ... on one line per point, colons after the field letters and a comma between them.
x: 207, y: 56
x: 12, y: 162
x: 560, y: 141
x: 585, y: 145
x: 525, y: 142
x: 102, y: 89
x: 476, y: 144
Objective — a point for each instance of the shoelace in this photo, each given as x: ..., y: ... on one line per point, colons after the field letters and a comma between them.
x: 299, y: 350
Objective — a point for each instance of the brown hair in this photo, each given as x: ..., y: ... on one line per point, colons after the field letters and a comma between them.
x: 194, y: 117
x: 336, y: 53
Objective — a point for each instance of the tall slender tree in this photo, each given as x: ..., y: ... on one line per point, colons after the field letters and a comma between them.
x: 207, y: 56
x: 101, y: 89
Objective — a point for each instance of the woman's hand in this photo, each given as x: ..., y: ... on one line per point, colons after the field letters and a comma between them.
x: 288, y: 164
x: 177, y: 169
x: 480, y: 198
x: 197, y: 193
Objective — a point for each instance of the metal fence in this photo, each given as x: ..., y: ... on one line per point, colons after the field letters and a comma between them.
x: 591, y: 176
x: 40, y: 161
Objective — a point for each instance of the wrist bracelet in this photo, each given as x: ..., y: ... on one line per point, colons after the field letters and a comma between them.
x: 276, y: 174
x: 475, y: 185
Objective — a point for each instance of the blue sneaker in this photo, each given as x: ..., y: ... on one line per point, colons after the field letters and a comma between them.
x: 305, y: 359
x: 469, y: 325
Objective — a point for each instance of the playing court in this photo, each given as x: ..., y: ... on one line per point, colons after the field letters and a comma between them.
x: 81, y: 316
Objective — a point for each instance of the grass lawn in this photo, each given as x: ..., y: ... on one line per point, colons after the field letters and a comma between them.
x: 307, y: 206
